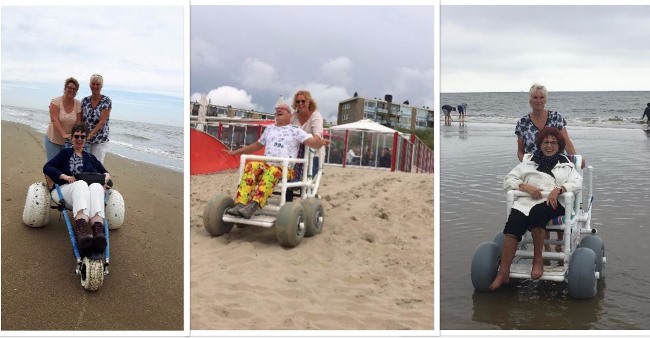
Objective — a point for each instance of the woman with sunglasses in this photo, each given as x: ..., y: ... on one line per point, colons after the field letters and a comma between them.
x: 65, y: 111
x: 86, y: 200
x: 96, y: 111
x: 309, y: 120
x: 546, y: 170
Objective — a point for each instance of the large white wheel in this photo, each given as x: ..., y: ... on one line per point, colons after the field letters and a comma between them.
x: 485, y: 264
x: 314, y: 216
x: 213, y: 215
x: 290, y: 225
x: 92, y: 274
x: 114, y: 209
x: 596, y: 244
x: 582, y: 273
x: 36, y: 213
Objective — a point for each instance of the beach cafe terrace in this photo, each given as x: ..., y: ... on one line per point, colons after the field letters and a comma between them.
x: 407, y: 153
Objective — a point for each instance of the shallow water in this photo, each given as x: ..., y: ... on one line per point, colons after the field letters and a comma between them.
x: 473, y: 160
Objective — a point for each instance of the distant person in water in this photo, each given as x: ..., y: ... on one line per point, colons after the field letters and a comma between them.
x: 646, y: 113
x: 447, y: 109
x: 461, y: 113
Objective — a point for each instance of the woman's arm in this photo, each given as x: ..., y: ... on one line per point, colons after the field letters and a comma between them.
x: 520, y: 148
x: 102, y: 121
x: 316, y: 142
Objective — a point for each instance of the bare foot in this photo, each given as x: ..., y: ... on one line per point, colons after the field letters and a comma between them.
x: 499, y: 280
x: 538, y: 269
x: 558, y: 248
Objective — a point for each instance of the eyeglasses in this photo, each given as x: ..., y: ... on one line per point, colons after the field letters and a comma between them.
x: 549, y: 143
x: 76, y: 136
x: 301, y: 101
x: 74, y: 89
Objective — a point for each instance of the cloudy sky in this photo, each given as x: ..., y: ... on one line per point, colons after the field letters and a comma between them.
x: 566, y: 48
x: 138, y: 50
x: 247, y: 56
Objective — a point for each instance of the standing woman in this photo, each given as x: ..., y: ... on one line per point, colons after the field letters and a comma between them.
x: 65, y: 111
x: 538, y: 119
x: 308, y: 119
x: 96, y: 111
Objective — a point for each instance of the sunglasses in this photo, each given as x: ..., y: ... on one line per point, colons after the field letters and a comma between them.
x: 83, y: 137
x: 301, y: 101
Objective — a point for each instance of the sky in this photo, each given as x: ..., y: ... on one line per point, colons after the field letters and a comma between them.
x: 248, y: 56
x: 137, y: 49
x: 565, y: 48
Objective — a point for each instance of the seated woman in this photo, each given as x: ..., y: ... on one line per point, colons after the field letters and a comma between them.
x: 546, y: 170
x: 87, y: 200
x: 281, y: 139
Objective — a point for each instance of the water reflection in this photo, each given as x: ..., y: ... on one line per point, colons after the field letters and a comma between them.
x: 537, y: 305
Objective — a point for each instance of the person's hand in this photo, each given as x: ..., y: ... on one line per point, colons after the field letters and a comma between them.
x: 229, y: 152
x: 324, y: 142
x: 68, y: 137
x: 533, y: 191
x: 552, y: 198
x: 69, y: 179
x: 583, y: 164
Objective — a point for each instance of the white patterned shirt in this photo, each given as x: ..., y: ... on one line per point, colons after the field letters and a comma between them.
x: 282, y: 141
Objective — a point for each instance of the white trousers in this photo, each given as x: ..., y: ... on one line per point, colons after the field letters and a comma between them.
x: 99, y: 150
x: 88, y: 199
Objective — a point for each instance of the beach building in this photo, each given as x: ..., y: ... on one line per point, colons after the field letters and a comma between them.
x: 385, y: 112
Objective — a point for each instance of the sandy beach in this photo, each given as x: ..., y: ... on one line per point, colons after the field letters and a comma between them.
x: 370, y: 268
x: 473, y: 161
x: 40, y: 291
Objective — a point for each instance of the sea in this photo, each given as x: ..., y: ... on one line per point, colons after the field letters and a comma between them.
x: 605, y: 128
x: 155, y: 144
x: 613, y: 109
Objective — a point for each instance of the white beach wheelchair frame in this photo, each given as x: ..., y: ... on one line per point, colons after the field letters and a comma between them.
x: 292, y: 220
x: 36, y: 214
x: 580, y: 264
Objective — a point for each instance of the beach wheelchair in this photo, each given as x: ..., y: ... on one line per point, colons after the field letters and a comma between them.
x: 292, y: 219
x: 36, y: 214
x: 580, y: 264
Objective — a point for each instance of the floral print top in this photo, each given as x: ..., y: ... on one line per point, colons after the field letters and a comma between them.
x: 527, y: 130
x: 91, y: 116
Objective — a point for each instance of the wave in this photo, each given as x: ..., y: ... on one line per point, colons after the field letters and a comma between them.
x: 583, y: 121
x: 149, y: 150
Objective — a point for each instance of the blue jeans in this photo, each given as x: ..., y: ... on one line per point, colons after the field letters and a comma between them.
x: 51, y: 149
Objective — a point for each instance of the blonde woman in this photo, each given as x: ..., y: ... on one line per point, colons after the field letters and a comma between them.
x: 309, y: 119
x: 96, y: 111
x: 65, y: 112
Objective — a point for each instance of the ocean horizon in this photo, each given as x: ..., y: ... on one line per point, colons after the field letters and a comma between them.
x: 601, y: 109
x: 157, y: 144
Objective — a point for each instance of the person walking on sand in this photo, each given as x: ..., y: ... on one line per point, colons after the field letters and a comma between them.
x: 65, y: 112
x: 646, y: 113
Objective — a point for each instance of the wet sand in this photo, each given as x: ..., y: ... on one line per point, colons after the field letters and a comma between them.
x: 40, y: 290
x: 474, y: 159
x: 370, y: 268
